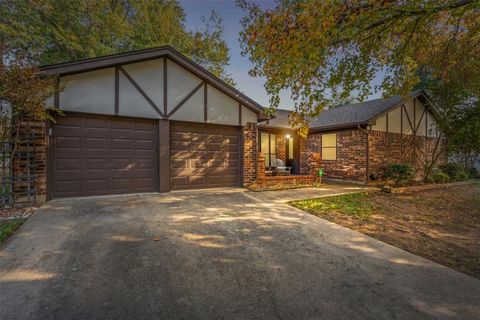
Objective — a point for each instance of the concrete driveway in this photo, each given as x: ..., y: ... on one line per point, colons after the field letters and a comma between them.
x: 215, y: 254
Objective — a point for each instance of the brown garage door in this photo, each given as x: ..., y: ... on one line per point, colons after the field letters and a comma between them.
x: 96, y: 155
x: 203, y: 155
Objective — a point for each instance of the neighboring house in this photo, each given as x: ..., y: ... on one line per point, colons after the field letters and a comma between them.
x: 154, y: 121
x: 357, y: 141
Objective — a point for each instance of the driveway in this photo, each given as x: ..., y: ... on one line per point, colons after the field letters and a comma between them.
x: 215, y: 254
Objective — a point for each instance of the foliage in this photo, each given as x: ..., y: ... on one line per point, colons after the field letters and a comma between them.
x: 23, y: 93
x: 8, y: 228
x: 51, y: 31
x: 323, y: 49
x: 399, y: 172
x: 440, y: 177
x: 351, y: 204
x: 454, y: 171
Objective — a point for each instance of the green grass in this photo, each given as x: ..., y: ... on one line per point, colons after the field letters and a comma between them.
x: 8, y: 228
x: 355, y: 204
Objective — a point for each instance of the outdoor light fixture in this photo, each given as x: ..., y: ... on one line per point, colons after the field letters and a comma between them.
x: 287, y: 136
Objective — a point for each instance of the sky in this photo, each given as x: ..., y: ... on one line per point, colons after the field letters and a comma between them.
x: 239, y: 66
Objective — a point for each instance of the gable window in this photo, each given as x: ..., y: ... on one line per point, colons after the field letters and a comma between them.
x: 329, y: 146
x: 268, y: 144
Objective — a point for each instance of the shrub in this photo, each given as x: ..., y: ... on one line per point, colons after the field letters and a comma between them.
x: 401, y: 173
x: 440, y: 177
x: 454, y: 171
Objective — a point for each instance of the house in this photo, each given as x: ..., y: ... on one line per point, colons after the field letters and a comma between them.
x: 154, y: 121
x: 355, y: 142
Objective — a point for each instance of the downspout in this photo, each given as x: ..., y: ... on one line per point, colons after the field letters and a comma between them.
x: 366, y: 152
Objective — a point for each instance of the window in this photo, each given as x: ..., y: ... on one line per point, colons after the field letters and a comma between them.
x: 268, y: 146
x: 329, y: 146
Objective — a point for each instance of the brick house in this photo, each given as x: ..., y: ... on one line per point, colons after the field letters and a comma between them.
x: 356, y: 141
x: 153, y: 121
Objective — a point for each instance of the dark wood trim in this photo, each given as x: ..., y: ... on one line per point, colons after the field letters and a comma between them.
x: 401, y: 132
x: 117, y: 91
x: 239, y: 114
x: 386, y: 122
x: 205, y: 102
x: 56, y: 97
x: 414, y: 114
x: 367, y: 162
x: 408, y: 118
x: 420, y: 121
x: 181, y: 103
x: 164, y: 155
x: 240, y: 157
x: 154, y: 106
x: 49, y: 161
x: 165, y: 86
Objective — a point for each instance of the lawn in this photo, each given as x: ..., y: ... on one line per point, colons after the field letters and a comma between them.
x: 442, y: 225
x: 8, y: 228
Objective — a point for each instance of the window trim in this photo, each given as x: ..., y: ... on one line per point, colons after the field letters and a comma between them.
x: 330, y: 147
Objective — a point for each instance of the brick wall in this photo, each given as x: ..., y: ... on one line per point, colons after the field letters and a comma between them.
x: 249, y: 153
x: 33, y: 139
x: 387, y: 147
x: 281, y: 147
x: 351, y: 157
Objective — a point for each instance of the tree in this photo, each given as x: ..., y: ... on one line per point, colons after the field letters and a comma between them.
x: 320, y: 49
x: 23, y: 95
x: 51, y: 31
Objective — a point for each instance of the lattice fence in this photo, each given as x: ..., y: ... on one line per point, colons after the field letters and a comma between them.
x: 18, y: 189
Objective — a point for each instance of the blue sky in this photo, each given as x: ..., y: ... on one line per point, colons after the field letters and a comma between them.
x: 239, y: 65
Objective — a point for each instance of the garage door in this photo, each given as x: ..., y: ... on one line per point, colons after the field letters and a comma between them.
x: 97, y: 155
x: 203, y: 155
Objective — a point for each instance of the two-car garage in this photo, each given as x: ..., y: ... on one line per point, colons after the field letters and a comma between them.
x: 102, y: 155
x: 144, y: 121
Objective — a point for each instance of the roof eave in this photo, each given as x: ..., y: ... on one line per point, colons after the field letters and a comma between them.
x: 338, y: 127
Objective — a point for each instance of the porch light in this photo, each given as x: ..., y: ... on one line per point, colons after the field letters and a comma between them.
x: 287, y: 136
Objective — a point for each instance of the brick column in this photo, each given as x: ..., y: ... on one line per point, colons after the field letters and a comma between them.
x: 315, y: 163
x: 249, y: 153
x: 261, y: 167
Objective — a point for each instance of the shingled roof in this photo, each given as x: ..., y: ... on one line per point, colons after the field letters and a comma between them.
x: 344, y: 116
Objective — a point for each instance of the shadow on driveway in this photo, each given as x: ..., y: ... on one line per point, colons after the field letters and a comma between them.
x: 215, y: 254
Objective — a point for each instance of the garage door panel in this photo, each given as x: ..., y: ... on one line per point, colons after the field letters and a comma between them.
x: 97, y: 155
x: 203, y: 156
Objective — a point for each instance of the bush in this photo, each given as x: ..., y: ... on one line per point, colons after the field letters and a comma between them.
x: 440, y: 177
x: 401, y: 173
x: 455, y: 171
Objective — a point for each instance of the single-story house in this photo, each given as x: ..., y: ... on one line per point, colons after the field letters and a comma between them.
x: 356, y: 141
x: 154, y: 121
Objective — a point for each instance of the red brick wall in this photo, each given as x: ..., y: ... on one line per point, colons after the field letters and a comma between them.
x: 22, y: 166
x: 281, y: 147
x: 249, y: 153
x: 351, y: 155
x: 387, y: 147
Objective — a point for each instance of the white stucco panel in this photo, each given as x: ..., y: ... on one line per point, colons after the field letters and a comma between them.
x: 420, y: 118
x: 221, y: 108
x: 180, y: 83
x: 248, y: 116
x: 408, y: 113
x: 92, y: 92
x: 394, y: 120
x: 131, y: 102
x: 149, y: 76
x: 192, y: 110
x: 380, y: 124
